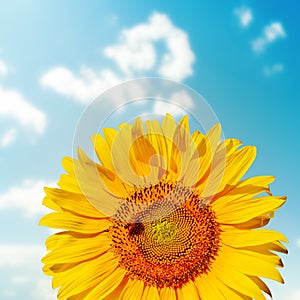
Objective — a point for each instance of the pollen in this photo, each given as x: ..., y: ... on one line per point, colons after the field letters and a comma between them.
x: 172, y: 236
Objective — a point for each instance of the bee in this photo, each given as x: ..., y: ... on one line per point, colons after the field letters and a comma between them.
x: 134, y: 228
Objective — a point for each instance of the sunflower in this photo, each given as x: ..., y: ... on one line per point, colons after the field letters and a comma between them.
x: 164, y: 215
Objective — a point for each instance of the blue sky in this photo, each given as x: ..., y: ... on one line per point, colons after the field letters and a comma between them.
x: 57, y: 56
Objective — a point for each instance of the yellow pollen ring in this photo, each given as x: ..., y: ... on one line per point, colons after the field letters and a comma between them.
x: 163, y: 231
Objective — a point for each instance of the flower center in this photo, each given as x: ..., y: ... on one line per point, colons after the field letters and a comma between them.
x: 173, y: 236
x: 163, y: 231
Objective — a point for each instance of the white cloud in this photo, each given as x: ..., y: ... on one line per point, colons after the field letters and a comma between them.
x: 273, y: 69
x: 136, y: 55
x: 14, y: 106
x: 179, y: 101
x: 137, y: 52
x: 26, y: 197
x: 83, y: 87
x: 19, y: 279
x: 295, y: 295
x: 22, y: 265
x: 271, y: 33
x: 3, y: 68
x: 245, y: 15
x: 8, y: 137
x: 298, y: 242
x: 20, y: 256
x: 43, y: 290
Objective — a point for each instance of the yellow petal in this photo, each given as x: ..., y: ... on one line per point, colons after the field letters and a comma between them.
x: 220, y: 289
x: 251, y: 263
x: 118, y: 290
x: 244, y: 190
x: 200, y: 143
x: 189, y: 291
x: 134, y: 289
x: 184, y: 122
x: 94, y: 188
x: 266, y: 249
x: 238, y: 163
x: 103, y: 146
x: 57, y: 268
x: 277, y: 246
x: 167, y: 293
x: 150, y: 292
x: 168, y: 128
x: 69, y: 183
x: 231, y: 214
x: 48, y: 202
x: 238, y: 281
x: 62, y: 239
x: 78, y: 251
x: 80, y: 295
x: 113, y: 183
x: 214, y: 135
x: 224, y: 152
x: 212, y: 169
x: 257, y: 222
x: 69, y: 201
x: 183, y: 150
x: 67, y: 221
x: 208, y: 181
x: 262, y: 181
x: 107, y: 285
x: 204, y: 154
x: 68, y: 164
x: 208, y: 287
x: 141, y: 153
x: 229, y: 170
x: 161, y: 144
x: 110, y: 134
x: 122, y: 158
x: 241, y: 238
x: 261, y: 285
x: 230, y: 146
x: 91, y: 274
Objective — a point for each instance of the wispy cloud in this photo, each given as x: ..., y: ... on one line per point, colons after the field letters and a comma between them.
x: 181, y: 102
x: 14, y: 106
x: 8, y: 137
x: 271, y: 34
x: 83, y: 87
x: 295, y: 295
x: 244, y: 15
x: 298, y: 242
x: 17, y: 113
x: 19, y: 279
x: 43, y: 290
x: 3, y: 68
x: 22, y: 266
x: 273, y: 69
x: 20, y: 255
x: 137, y: 54
x: 25, y: 197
